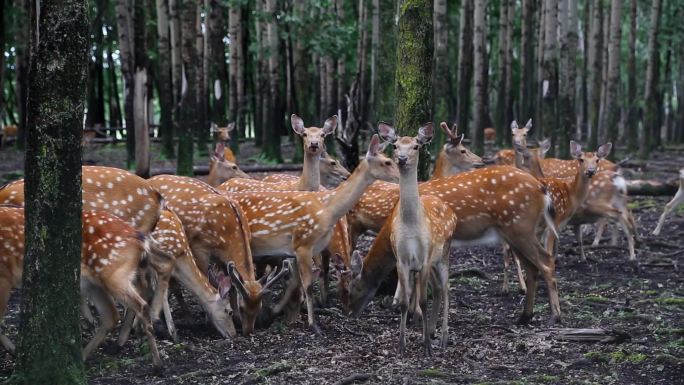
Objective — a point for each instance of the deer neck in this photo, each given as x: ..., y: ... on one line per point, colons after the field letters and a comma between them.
x: 311, y: 173
x: 535, y: 167
x: 441, y: 166
x: 342, y: 199
x: 409, y: 201
x: 213, y: 179
x: 580, y: 186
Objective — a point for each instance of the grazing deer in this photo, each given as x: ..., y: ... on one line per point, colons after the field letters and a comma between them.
x: 300, y: 224
x: 372, y: 210
x: 222, y: 135
x: 116, y: 191
x: 422, y: 227
x: 221, y: 169
x: 489, y: 134
x: 9, y: 132
x: 491, y: 204
x: 217, y: 229
x: 671, y: 205
x: 568, y: 194
x: 331, y: 170
x: 111, y: 253
x: 454, y: 157
x: 519, y: 138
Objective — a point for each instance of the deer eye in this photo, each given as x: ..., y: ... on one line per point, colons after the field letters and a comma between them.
x: 581, y: 160
x: 332, y: 162
x: 415, y: 147
x: 388, y: 163
x: 394, y: 146
x: 463, y: 151
x: 234, y: 167
x: 304, y: 134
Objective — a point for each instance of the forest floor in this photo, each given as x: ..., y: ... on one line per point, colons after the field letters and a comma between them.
x: 645, y: 305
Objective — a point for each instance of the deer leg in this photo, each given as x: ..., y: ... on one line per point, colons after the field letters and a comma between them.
x: 422, y: 283
x: 168, y: 317
x: 443, y: 281
x: 140, y: 308
x: 580, y: 242
x: 437, y: 293
x: 85, y: 311
x: 671, y: 205
x: 325, y: 277
x: 108, y: 316
x: 402, y: 275
x: 305, y: 265
x: 600, y: 228
x: 624, y: 223
x: 158, y: 299
x: 521, y: 275
x: 126, y: 326
x: 546, y: 265
x: 531, y: 280
x: 505, y: 288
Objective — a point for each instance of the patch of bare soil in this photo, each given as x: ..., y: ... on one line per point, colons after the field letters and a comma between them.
x: 644, y: 306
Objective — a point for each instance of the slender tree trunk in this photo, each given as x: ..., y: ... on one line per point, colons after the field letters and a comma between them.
x: 49, y: 346
x: 527, y: 60
x: 612, y: 108
x: 650, y: 124
x: 22, y: 58
x: 274, y: 123
x: 679, y: 120
x: 465, y: 63
x: 539, y: 134
x: 114, y: 100
x: 441, y: 71
x: 566, y: 102
x: 3, y: 23
x: 95, y: 98
x: 341, y: 68
x: 164, y: 81
x: 632, y: 124
x: 479, y: 53
x: 503, y: 72
x: 414, y: 72
x: 176, y: 59
x: 582, y: 127
x: 550, y: 72
x: 188, y: 103
x: 595, y: 67
x: 385, y: 102
x: 202, y: 127
x: 236, y: 72
x: 125, y: 28
x: 502, y: 136
x: 139, y: 100
x: 374, y: 56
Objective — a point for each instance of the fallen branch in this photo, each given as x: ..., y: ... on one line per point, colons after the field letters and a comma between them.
x: 204, y: 170
x: 651, y: 187
x: 354, y: 378
x: 591, y: 335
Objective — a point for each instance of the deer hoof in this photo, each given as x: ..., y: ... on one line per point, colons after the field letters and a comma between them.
x: 554, y: 320
x: 316, y: 329
x: 524, y: 319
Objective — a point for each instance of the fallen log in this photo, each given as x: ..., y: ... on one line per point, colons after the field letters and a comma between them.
x: 651, y: 187
x: 204, y: 170
x: 590, y: 335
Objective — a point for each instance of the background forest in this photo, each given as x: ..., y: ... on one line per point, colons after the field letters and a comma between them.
x: 589, y: 70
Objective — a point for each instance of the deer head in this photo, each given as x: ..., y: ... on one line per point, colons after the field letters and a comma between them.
x: 313, y: 137
x: 458, y: 155
x: 589, y: 161
x: 222, y: 133
x: 332, y: 172
x: 406, y: 148
x: 349, y: 288
x: 380, y: 166
x: 222, y: 169
x: 520, y: 134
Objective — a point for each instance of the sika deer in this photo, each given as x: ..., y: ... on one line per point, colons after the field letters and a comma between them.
x: 111, y: 253
x: 331, y: 170
x: 498, y: 202
x: 223, y: 137
x: 422, y: 227
x: 508, y: 156
x: 300, y: 224
x: 671, y: 205
x: 454, y: 157
x: 116, y: 191
x: 222, y: 169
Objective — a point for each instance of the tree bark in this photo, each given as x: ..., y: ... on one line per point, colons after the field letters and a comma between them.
x: 236, y: 72
x: 125, y: 29
x: 465, y: 63
x: 650, y: 125
x: 527, y: 61
x: 632, y: 124
x: 441, y: 71
x: 22, y: 58
x: 595, y: 57
x: 550, y: 73
x: 612, y: 109
x: 188, y: 102
x: 387, y: 61
x: 566, y: 102
x: 202, y: 126
x: 49, y: 346
x: 479, y: 53
x: 139, y: 85
x: 414, y: 72
x: 164, y: 81
x: 176, y: 59
x: 274, y: 123
x: 95, y: 97
x: 2, y: 62
x: 504, y: 72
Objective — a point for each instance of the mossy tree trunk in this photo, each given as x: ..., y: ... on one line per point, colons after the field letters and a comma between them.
x: 527, y: 61
x: 164, y: 84
x: 188, y: 102
x: 442, y: 111
x: 49, y: 346
x: 414, y: 72
x: 385, y: 99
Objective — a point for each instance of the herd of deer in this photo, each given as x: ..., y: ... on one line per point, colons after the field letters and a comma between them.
x: 230, y: 240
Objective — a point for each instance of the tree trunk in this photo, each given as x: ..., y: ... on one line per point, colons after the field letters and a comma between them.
x: 527, y: 61
x: 550, y: 72
x: 114, y: 100
x: 414, y: 72
x: 479, y: 53
x: 164, y: 81
x: 584, y: 79
x: 125, y: 29
x: 650, y: 125
x: 176, y: 59
x: 679, y: 119
x: 139, y: 86
x: 274, y: 123
x: 95, y: 98
x: 504, y: 72
x: 236, y: 72
x: 22, y: 58
x: 341, y: 68
x: 441, y: 71
x: 2, y: 61
x: 202, y: 126
x: 566, y: 102
x: 632, y: 124
x: 387, y: 61
x: 595, y: 57
x: 611, y: 116
x: 465, y: 63
x: 49, y: 346
x: 188, y: 102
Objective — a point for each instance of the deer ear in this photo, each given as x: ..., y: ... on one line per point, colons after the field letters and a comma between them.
x: 460, y: 139
x: 528, y: 125
x: 231, y: 126
x: 330, y: 125
x: 356, y: 264
x: 514, y: 125
x: 387, y: 132
x: 224, y: 286
x: 338, y: 262
x: 425, y: 134
x: 297, y: 124
x: 545, y: 146
x: 575, y: 149
x: 373, y: 146
x: 604, y: 150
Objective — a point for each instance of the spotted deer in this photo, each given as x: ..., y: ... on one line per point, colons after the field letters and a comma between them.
x: 372, y: 209
x: 454, y: 157
x: 491, y: 204
x: 222, y: 169
x: 422, y: 227
x: 519, y: 138
x: 331, y: 170
x: 116, y: 191
x: 217, y: 229
x: 671, y: 205
x: 300, y: 224
x: 222, y: 135
x: 111, y: 253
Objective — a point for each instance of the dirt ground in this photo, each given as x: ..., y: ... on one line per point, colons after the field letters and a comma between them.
x: 644, y: 305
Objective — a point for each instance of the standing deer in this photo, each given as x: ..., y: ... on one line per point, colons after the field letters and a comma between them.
x: 111, y: 252
x: 489, y: 134
x: 519, y: 138
x: 422, y: 227
x: 222, y: 135
x: 491, y: 204
x: 300, y: 224
x: 671, y: 205
x: 331, y: 170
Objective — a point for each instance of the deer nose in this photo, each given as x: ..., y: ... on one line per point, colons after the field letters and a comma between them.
x: 313, y: 145
x: 401, y: 160
x: 591, y: 173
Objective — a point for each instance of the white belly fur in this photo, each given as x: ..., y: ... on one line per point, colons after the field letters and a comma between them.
x: 489, y: 238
